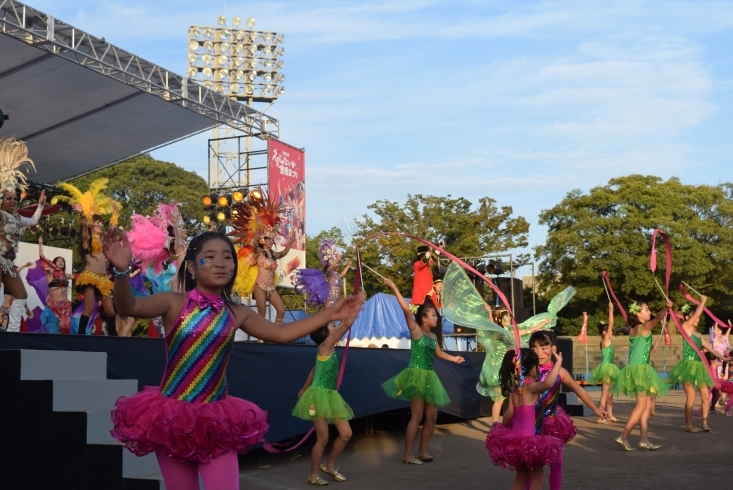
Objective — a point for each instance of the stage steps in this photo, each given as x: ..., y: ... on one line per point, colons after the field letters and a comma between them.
x: 56, y: 406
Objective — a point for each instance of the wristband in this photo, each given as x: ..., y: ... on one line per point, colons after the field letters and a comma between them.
x: 125, y: 273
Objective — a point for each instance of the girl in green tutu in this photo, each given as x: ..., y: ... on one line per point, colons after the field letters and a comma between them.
x: 691, y: 372
x: 319, y: 402
x: 639, y: 378
x: 606, y: 372
x: 418, y: 383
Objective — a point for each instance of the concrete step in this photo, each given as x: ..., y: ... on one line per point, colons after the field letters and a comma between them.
x: 62, y: 365
x: 99, y: 423
x: 81, y: 396
x: 145, y: 482
x: 139, y: 466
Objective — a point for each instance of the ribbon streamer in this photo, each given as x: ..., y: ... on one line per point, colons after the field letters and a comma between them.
x: 697, y: 303
x: 609, y: 289
x: 668, y: 274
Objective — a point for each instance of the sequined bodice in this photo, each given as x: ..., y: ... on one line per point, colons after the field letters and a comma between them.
x: 327, y: 372
x: 198, y: 350
x: 607, y: 354
x: 547, y: 401
x: 640, y: 349
x: 422, y: 352
x: 335, y: 286
x: 688, y: 353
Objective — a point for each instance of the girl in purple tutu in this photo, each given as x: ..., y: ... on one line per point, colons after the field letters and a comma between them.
x: 556, y: 422
x: 322, y: 288
x: 190, y: 422
x: 515, y: 443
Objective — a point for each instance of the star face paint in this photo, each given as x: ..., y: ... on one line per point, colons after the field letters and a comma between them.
x: 202, y: 262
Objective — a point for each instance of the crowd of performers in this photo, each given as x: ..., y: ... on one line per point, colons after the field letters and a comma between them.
x: 196, y: 429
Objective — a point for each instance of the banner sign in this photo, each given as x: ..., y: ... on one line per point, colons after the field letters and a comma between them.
x: 286, y: 182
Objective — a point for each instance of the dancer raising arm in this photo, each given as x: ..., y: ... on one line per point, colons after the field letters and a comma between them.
x: 190, y: 422
x: 515, y: 443
x: 639, y: 378
x: 691, y: 371
x: 418, y: 383
x: 319, y: 402
x: 606, y: 372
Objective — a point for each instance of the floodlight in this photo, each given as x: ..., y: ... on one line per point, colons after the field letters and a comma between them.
x: 252, y: 48
x: 207, y: 32
x: 236, y: 21
x: 249, y: 89
x: 192, y: 58
x: 206, y: 200
x: 280, y: 38
x: 207, y: 71
x: 225, y: 34
x: 220, y: 216
x: 267, y: 50
x: 239, y: 48
x: 207, y: 220
x: 222, y: 58
x: 250, y: 22
x: 267, y: 37
x: 281, y: 91
x: 239, y: 74
x: 268, y: 64
x: 234, y: 87
x: 267, y: 76
x: 280, y: 64
x: 266, y: 89
x: 240, y: 35
x: 281, y: 77
x: 239, y: 60
x: 222, y: 201
x: 253, y: 62
x: 280, y: 51
x: 193, y: 45
x: 208, y: 84
x: 208, y: 45
x: 219, y: 87
x: 195, y: 32
x: 252, y: 75
x: 238, y: 195
x: 206, y: 58
x: 221, y: 20
x: 253, y: 36
x: 224, y: 47
x: 192, y: 72
x: 255, y: 195
x: 223, y: 73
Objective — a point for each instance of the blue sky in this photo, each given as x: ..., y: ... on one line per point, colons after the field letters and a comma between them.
x: 519, y: 101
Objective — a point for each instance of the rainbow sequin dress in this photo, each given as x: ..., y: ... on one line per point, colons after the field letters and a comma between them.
x: 551, y: 419
x: 190, y: 415
x: 321, y: 401
x: 418, y: 380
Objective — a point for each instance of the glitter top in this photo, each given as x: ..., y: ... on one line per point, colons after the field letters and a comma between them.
x: 688, y: 353
x: 327, y: 372
x: 639, y: 349
x: 547, y: 401
x: 422, y: 352
x: 335, y: 286
x: 198, y: 350
x: 607, y: 354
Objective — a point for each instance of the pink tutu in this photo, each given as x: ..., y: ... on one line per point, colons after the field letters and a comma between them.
x: 560, y: 426
x: 510, y: 450
x: 189, y: 432
x: 726, y: 386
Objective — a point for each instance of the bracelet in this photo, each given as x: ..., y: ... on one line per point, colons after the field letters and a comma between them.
x: 125, y: 273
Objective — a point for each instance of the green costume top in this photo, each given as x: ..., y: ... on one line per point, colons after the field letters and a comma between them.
x: 326, y: 372
x: 640, y: 348
x: 688, y: 353
x: 422, y: 352
x: 607, y: 354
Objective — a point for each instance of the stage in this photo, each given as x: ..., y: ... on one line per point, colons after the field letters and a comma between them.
x: 271, y: 375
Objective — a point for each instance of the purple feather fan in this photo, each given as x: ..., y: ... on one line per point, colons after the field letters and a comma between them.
x: 313, y: 284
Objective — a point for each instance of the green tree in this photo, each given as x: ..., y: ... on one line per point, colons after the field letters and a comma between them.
x: 610, y: 229
x: 469, y: 231
x: 140, y: 183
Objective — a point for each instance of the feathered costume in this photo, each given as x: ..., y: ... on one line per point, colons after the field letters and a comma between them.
x: 463, y: 305
x: 148, y: 243
x: 13, y: 157
x: 252, y: 220
x: 320, y: 288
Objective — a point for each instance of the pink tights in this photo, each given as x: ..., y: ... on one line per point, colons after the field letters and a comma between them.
x: 221, y: 473
x: 728, y: 405
x: 555, y: 474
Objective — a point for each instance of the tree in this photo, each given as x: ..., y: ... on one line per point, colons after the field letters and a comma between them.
x: 610, y: 229
x: 469, y: 231
x: 142, y: 182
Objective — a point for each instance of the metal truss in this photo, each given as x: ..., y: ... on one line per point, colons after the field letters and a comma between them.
x: 42, y: 31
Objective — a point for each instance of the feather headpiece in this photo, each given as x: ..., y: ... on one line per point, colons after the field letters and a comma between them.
x: 328, y: 253
x: 92, y: 201
x: 255, y: 216
x: 167, y: 215
x: 13, y: 155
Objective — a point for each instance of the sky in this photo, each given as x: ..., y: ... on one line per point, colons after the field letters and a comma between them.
x: 519, y: 101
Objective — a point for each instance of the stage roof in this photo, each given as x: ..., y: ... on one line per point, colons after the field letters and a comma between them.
x: 80, y: 103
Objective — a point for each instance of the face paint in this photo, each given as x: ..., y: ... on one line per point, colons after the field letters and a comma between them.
x: 202, y: 262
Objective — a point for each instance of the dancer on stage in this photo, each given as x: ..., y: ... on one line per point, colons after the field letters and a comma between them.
x: 691, y: 372
x: 639, y: 378
x: 322, y: 287
x: 516, y: 443
x: 190, y: 422
x: 556, y: 423
x: 418, y: 383
x: 93, y: 282
x: 320, y: 402
x: 13, y: 156
x: 51, y: 282
x: 606, y: 372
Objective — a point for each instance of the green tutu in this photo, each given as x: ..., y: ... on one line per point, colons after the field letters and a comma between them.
x: 693, y: 372
x: 640, y: 378
x: 605, y: 373
x: 417, y: 383
x: 322, y: 403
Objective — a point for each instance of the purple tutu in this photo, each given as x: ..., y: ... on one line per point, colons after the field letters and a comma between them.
x: 189, y: 432
x: 313, y: 284
x: 560, y: 426
x: 509, y: 449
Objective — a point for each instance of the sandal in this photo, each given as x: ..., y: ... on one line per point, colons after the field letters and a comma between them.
x: 319, y: 482
x: 612, y: 419
x: 624, y: 445
x: 602, y: 421
x: 649, y: 446
x: 705, y: 428
x: 694, y: 430
x: 411, y: 460
x: 424, y: 457
x: 333, y: 474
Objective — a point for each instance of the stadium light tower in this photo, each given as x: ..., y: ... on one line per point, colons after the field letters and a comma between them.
x: 246, y: 65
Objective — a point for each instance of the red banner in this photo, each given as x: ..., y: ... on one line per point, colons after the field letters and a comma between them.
x: 286, y: 182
